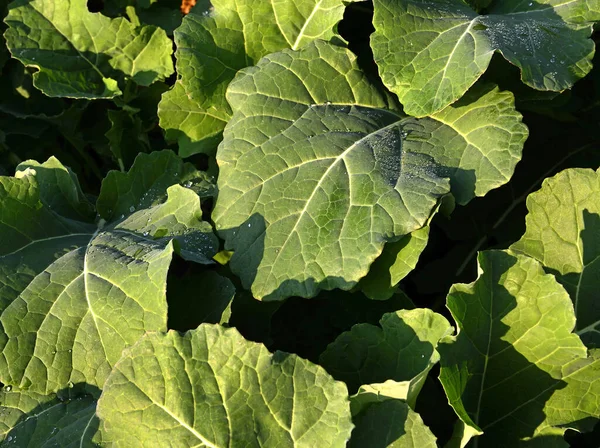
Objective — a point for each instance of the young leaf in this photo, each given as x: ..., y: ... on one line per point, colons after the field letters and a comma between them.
x: 430, y: 52
x: 403, y: 350
x: 515, y: 334
x: 317, y: 172
x: 211, y: 48
x: 81, y: 54
x: 32, y: 419
x: 563, y: 226
x: 211, y: 387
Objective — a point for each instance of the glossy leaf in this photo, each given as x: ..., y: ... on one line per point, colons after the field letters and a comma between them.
x: 316, y: 177
x: 430, y: 52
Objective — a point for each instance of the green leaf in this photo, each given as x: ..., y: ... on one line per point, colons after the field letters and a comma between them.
x: 126, y: 138
x: 562, y: 233
x: 76, y: 300
x: 213, y: 45
x: 81, y: 54
x: 515, y: 370
x: 145, y: 184
x: 317, y: 172
x: 430, y: 52
x: 394, y: 263
x: 36, y: 223
x: 403, y: 349
x: 211, y: 387
x: 32, y: 419
x: 391, y: 423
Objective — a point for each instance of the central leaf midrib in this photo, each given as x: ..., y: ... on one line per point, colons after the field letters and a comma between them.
x: 337, y: 159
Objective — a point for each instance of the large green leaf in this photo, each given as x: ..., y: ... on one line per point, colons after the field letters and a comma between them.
x: 403, y: 350
x: 213, y: 45
x: 29, y: 419
x: 70, y: 310
x: 211, y: 387
x: 430, y: 52
x: 515, y: 370
x: 81, y: 54
x: 562, y: 233
x: 317, y: 171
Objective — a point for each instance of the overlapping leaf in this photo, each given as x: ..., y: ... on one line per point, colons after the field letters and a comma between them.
x: 30, y: 419
x: 563, y: 229
x: 394, y: 263
x: 67, y: 316
x: 515, y: 370
x: 430, y: 52
x: 403, y: 350
x: 81, y: 54
x: 211, y: 387
x: 317, y: 171
x: 382, y: 419
x: 213, y: 45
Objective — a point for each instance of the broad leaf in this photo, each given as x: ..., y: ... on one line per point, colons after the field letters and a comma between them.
x: 395, y: 262
x: 430, y: 52
x: 68, y: 313
x: 515, y: 370
x: 81, y: 54
x: 34, y: 420
x: 317, y: 171
x: 211, y: 387
x: 563, y: 228
x: 403, y: 350
x: 391, y: 423
x: 213, y: 45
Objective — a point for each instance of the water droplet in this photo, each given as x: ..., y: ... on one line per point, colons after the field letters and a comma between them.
x: 8, y: 388
x: 146, y: 233
x: 249, y: 225
x: 9, y: 438
x: 122, y: 216
x: 188, y: 184
x: 70, y: 384
x: 131, y: 209
x: 70, y: 350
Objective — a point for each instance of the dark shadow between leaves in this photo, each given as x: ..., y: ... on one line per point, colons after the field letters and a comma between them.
x: 508, y: 403
x: 67, y: 420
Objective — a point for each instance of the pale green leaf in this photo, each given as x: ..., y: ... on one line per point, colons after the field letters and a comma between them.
x: 391, y: 423
x: 376, y: 393
x: 562, y: 233
x: 210, y: 387
x: 402, y: 349
x: 515, y: 370
x: 395, y: 262
x: 212, y: 45
x: 81, y: 54
x: 430, y: 52
x: 317, y: 172
x: 29, y: 419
